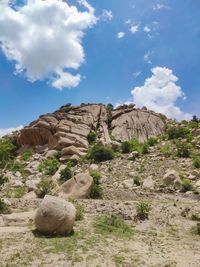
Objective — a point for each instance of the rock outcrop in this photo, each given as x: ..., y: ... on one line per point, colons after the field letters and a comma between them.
x: 67, y: 129
x: 55, y: 216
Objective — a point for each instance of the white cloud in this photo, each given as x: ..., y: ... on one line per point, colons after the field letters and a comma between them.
x: 160, y: 6
x: 120, y: 35
x: 9, y: 130
x: 44, y: 39
x: 107, y: 15
x: 147, y: 57
x: 146, y: 29
x: 136, y: 74
x: 134, y: 29
x: 160, y: 93
x: 128, y: 21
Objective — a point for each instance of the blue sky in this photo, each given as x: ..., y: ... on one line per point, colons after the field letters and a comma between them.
x: 157, y: 38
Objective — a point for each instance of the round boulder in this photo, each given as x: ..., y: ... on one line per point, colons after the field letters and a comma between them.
x: 55, y: 216
x: 78, y: 187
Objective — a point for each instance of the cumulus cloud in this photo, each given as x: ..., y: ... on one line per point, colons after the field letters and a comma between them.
x: 134, y: 29
x: 107, y: 15
x: 120, y: 35
x: 160, y: 93
x: 147, y: 29
x: 6, y: 131
x: 44, y: 39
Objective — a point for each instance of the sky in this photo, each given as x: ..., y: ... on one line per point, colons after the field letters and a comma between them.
x: 98, y: 51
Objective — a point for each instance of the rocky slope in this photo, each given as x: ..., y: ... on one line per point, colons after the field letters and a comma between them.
x: 70, y: 126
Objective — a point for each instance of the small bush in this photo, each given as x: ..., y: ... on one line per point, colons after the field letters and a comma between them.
x: 196, y: 161
x: 109, y: 107
x: 91, y: 137
x: 17, y: 166
x: 195, y: 217
x: 186, y: 185
x: 6, y: 151
x: 97, y: 190
x: 101, y: 153
x: 26, y: 155
x: 126, y: 147
x: 17, y: 192
x: 152, y: 141
x: 114, y: 225
x: 4, y: 209
x: 176, y: 132
x: 136, y: 180
x: 3, y: 179
x: 142, y: 209
x: 66, y: 173
x: 49, y: 166
x: 45, y: 187
x: 183, y: 149
x: 166, y: 150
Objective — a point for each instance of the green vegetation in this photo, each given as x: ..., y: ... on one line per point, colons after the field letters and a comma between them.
x: 143, y: 209
x: 45, y: 187
x: 3, y: 179
x: 175, y: 132
x: 17, y: 166
x: 66, y: 173
x: 4, y: 209
x: 26, y: 155
x: 6, y: 151
x: 17, y: 192
x: 113, y: 225
x: 136, y: 180
x: 49, y: 166
x: 134, y: 145
x: 186, y: 185
x: 109, y: 107
x: 183, y: 149
x: 195, y: 217
x: 166, y: 150
x: 198, y: 228
x: 91, y: 137
x: 196, y: 161
x: 152, y: 141
x: 119, y: 260
x: 100, y: 153
x: 97, y: 190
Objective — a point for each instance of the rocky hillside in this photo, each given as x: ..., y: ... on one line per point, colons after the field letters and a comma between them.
x: 124, y: 190
x: 70, y: 126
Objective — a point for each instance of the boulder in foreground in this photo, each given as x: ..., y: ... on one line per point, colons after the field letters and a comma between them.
x: 55, y: 216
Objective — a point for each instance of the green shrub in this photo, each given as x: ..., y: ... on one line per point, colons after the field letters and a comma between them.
x: 152, y: 141
x: 136, y: 180
x: 144, y: 149
x: 3, y: 179
x: 49, y: 166
x: 143, y: 209
x: 176, y: 132
x: 66, y: 173
x: 196, y: 161
x: 100, y: 153
x: 97, y: 190
x: 109, y: 107
x: 26, y: 155
x: 17, y: 192
x: 126, y: 147
x: 195, y: 217
x: 186, y: 185
x: 6, y: 151
x: 183, y: 149
x: 4, y: 209
x: 166, y: 150
x: 91, y: 137
x: 114, y: 225
x: 45, y: 187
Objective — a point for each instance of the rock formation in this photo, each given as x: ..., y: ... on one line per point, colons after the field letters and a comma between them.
x: 67, y: 129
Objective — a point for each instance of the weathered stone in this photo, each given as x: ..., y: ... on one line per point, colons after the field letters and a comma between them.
x: 172, y: 178
x: 78, y: 187
x: 148, y: 183
x: 55, y: 216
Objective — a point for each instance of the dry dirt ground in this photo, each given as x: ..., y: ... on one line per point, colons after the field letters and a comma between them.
x: 167, y: 239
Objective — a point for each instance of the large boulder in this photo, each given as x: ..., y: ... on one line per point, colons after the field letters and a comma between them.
x: 172, y: 178
x: 78, y: 187
x: 55, y: 216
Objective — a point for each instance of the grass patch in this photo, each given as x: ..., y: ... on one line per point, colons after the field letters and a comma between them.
x: 4, y: 209
x: 16, y: 192
x: 26, y: 155
x: 142, y: 209
x: 97, y: 190
x: 118, y: 260
x: 49, y: 166
x: 45, y: 187
x: 66, y: 173
x: 113, y: 225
